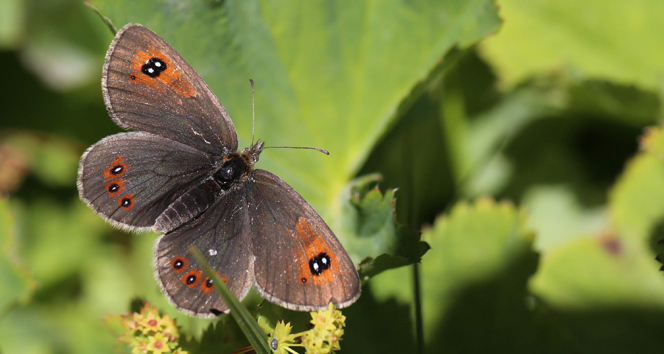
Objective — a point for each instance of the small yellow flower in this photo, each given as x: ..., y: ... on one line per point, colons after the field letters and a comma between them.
x: 139, y: 345
x: 322, y: 320
x: 314, y: 340
x: 149, y: 333
x: 158, y: 344
x: 328, y: 328
x: 322, y: 339
x: 281, y: 339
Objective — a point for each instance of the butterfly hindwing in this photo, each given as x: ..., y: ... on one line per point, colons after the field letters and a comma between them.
x: 148, y: 86
x: 299, y: 263
x: 221, y: 234
x: 131, y: 178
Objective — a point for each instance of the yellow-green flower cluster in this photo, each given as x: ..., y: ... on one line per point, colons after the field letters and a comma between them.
x: 322, y: 339
x: 149, y: 333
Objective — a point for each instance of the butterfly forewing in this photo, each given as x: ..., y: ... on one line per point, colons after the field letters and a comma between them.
x: 148, y: 86
x: 131, y: 178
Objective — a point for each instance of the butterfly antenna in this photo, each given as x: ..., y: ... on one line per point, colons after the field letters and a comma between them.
x: 298, y: 147
x: 253, y: 129
x: 253, y: 111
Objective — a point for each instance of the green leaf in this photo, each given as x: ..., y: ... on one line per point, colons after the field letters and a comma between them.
x: 652, y: 142
x: 15, y: 278
x: 636, y: 202
x: 370, y: 267
x: 600, y: 272
x: 52, y: 159
x: 224, y: 336
x: 249, y: 326
x: 12, y: 23
x: 320, y: 70
x: 480, y: 260
x: 613, y: 40
x: 612, y: 101
x: 548, y: 205
x: 368, y: 218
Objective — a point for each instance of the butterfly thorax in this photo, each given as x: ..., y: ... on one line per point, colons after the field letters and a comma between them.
x: 237, y: 165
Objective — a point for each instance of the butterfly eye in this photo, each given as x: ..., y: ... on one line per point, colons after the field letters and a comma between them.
x: 274, y: 343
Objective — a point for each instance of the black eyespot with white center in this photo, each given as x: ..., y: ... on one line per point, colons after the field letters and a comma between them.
x: 117, y: 170
x: 209, y: 283
x: 114, y: 187
x: 324, y: 260
x: 191, y: 279
x: 319, y: 263
x: 153, y: 67
x: 178, y: 264
x: 126, y: 202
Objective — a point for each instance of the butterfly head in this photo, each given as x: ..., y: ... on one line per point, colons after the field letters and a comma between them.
x: 252, y: 153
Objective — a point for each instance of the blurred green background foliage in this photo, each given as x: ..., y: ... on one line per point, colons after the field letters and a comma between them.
x: 522, y: 137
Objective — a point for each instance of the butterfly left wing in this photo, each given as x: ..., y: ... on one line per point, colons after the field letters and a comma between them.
x: 131, y: 178
x: 299, y: 263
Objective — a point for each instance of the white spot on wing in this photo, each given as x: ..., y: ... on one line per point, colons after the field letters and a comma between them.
x: 199, y: 134
x: 212, y: 252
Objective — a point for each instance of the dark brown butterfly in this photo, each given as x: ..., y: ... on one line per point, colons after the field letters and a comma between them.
x: 180, y: 173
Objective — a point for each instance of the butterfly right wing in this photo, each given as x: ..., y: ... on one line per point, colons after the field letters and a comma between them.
x: 131, y: 178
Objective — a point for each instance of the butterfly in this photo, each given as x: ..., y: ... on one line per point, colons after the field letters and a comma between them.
x: 179, y: 173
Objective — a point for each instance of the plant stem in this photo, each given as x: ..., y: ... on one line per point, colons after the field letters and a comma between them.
x: 419, y: 327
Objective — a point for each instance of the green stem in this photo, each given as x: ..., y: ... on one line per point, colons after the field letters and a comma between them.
x: 413, y: 218
x: 419, y: 326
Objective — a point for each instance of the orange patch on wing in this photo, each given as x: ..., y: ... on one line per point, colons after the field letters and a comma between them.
x: 184, y: 264
x: 117, y: 168
x: 170, y: 77
x: 126, y: 202
x: 192, y: 278
x: 110, y: 186
x: 204, y: 286
x: 314, y: 244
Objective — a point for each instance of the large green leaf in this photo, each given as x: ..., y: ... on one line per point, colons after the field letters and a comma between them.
x: 474, y: 280
x: 614, y: 40
x: 15, y: 279
x: 328, y: 73
x: 637, y: 200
